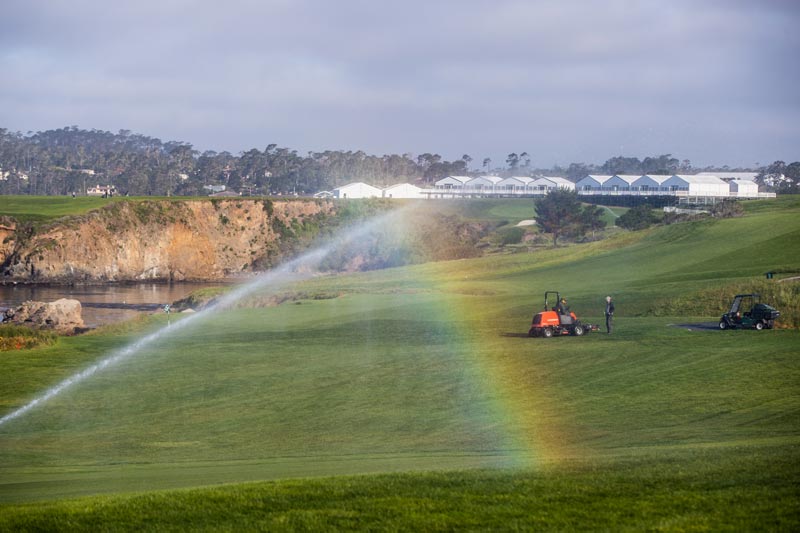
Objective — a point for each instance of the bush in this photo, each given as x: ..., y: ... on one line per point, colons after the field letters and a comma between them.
x: 727, y: 209
x: 22, y: 338
x: 638, y: 218
x: 511, y: 235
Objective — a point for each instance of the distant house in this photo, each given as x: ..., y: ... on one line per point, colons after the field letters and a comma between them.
x: 101, y: 190
x: 224, y: 194
x: 403, y: 190
x: 214, y: 188
x: 357, y: 190
x: 323, y: 194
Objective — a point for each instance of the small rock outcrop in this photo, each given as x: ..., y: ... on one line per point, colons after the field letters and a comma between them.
x: 63, y: 315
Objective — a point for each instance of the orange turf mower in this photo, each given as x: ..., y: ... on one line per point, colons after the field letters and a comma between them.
x: 557, y: 320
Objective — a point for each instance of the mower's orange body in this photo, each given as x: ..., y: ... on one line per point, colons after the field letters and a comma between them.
x: 550, y: 322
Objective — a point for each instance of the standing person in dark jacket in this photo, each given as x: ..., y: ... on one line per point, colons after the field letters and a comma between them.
x: 609, y: 314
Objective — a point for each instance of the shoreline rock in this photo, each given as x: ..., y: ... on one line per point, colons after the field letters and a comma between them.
x: 62, y: 316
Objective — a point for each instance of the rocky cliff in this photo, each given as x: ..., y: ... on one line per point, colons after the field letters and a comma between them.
x: 159, y: 240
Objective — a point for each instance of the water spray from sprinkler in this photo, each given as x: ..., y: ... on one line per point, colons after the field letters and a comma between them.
x: 302, y: 267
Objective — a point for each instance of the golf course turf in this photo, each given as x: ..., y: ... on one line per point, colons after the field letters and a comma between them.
x: 412, y: 399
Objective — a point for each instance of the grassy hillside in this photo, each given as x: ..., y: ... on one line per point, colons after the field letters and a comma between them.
x: 427, y: 368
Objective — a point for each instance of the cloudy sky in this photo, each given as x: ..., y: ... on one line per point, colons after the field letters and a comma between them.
x: 716, y: 82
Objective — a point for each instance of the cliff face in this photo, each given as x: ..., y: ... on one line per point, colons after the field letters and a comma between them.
x: 159, y: 240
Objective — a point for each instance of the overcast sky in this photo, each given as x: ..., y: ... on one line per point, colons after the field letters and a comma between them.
x: 716, y: 82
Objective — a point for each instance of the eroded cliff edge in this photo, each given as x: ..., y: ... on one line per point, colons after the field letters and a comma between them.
x: 160, y: 240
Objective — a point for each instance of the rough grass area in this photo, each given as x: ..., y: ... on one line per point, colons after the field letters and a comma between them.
x: 716, y: 300
x: 23, y: 338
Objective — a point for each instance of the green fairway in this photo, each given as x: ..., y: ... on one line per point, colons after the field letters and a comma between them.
x: 666, y: 424
x: 743, y: 489
x: 46, y: 208
x: 43, y: 208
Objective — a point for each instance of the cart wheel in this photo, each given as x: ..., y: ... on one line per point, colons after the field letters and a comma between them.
x: 759, y: 326
x: 723, y: 324
x: 577, y: 330
x: 547, y: 333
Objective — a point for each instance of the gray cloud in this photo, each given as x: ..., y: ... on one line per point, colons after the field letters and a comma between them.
x: 711, y: 81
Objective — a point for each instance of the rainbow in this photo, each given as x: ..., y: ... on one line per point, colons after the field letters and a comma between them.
x: 518, y: 396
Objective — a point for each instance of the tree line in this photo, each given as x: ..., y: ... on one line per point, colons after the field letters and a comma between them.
x: 70, y: 159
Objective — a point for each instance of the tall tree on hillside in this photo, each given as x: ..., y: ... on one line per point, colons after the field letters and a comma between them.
x: 792, y: 176
x: 513, y: 161
x: 560, y: 213
x: 526, y: 159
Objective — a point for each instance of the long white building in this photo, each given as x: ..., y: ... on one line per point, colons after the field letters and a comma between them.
x: 688, y: 187
x: 480, y: 186
x: 695, y: 188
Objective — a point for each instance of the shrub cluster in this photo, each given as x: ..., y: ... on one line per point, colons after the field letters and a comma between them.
x: 22, y: 338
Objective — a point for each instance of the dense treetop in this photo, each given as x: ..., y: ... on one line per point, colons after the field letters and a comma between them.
x: 67, y: 160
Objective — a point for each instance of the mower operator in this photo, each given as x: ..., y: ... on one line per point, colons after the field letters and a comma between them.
x: 562, y: 308
x: 609, y: 314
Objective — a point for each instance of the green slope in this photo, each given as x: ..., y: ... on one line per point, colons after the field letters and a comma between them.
x: 428, y: 368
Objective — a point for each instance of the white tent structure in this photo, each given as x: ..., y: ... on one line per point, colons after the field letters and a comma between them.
x: 357, y: 190
x: 591, y: 184
x: 650, y: 183
x: 694, y: 185
x: 743, y: 188
x: 730, y: 176
x: 482, y: 184
x: 620, y: 183
x: 452, y: 183
x: 403, y: 190
x: 559, y: 183
x: 514, y: 185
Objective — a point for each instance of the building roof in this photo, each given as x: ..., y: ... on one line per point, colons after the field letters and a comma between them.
x: 627, y: 178
x: 522, y: 179
x: 598, y: 178
x: 558, y: 180
x: 462, y: 179
x: 491, y: 179
x: 658, y: 178
x: 358, y: 184
x: 697, y: 178
x: 398, y: 185
x: 727, y: 176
